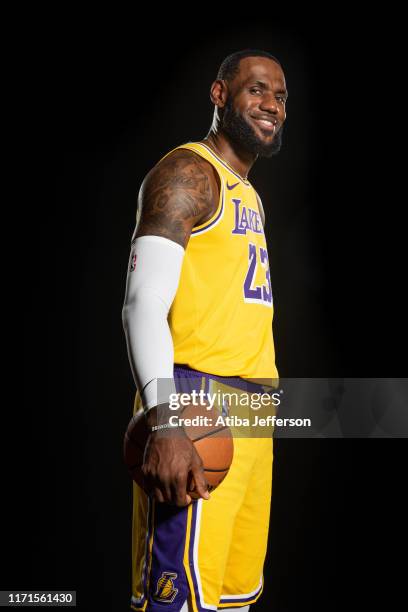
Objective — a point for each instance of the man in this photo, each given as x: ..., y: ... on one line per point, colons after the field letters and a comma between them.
x: 199, y: 307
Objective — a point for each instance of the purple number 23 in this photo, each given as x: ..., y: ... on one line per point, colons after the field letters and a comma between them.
x: 261, y: 294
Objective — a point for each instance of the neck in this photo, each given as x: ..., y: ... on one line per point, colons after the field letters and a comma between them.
x: 238, y: 158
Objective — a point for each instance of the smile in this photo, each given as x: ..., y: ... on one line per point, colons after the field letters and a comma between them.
x: 266, y: 124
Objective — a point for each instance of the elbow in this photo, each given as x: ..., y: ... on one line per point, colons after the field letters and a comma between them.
x: 141, y: 306
x: 131, y: 309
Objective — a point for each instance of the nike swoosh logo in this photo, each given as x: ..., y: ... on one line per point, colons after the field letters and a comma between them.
x: 232, y: 186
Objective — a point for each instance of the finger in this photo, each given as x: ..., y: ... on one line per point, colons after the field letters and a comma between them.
x: 148, y: 486
x: 201, y: 485
x: 151, y: 486
x: 158, y: 495
x: 179, y: 495
x: 165, y: 487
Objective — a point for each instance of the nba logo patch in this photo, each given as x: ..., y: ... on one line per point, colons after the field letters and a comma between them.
x: 165, y: 589
x: 133, y: 262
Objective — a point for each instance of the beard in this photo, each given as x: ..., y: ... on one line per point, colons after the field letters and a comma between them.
x: 242, y: 134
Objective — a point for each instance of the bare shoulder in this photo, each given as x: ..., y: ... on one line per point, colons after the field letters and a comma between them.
x: 178, y: 193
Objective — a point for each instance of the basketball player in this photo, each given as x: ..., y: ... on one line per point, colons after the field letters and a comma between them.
x: 198, y: 307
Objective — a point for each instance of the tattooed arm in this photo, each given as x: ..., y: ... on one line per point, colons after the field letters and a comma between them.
x: 180, y: 192
x: 177, y: 194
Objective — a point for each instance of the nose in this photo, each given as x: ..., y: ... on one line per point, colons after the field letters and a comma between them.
x: 269, y: 104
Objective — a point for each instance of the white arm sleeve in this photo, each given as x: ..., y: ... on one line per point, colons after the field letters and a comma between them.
x: 153, y: 276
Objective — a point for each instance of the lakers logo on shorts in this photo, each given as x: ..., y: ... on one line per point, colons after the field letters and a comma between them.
x: 165, y: 589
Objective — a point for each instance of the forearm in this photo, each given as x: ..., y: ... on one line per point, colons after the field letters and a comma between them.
x: 153, y: 275
x: 149, y: 343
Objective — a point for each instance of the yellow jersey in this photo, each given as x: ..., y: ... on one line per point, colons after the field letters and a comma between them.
x: 221, y: 317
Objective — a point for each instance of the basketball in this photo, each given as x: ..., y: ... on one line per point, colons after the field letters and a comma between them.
x: 213, y: 443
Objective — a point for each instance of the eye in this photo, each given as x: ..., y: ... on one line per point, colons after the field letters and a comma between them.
x: 281, y: 99
x: 256, y: 91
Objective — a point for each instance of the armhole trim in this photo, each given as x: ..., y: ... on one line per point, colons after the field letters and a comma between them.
x: 219, y: 213
x: 216, y: 217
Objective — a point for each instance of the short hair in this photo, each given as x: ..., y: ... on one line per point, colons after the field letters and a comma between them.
x: 230, y: 65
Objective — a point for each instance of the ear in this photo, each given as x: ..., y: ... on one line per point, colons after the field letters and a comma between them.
x: 219, y: 93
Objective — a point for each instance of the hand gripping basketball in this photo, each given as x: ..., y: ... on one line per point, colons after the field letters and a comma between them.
x: 180, y: 464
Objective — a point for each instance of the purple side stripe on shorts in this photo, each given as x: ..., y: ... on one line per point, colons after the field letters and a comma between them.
x: 167, y: 556
x: 191, y: 553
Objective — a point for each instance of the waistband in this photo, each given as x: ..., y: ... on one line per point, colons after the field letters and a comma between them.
x: 184, y: 371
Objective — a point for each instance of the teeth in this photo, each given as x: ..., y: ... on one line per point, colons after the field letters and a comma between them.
x: 267, y: 123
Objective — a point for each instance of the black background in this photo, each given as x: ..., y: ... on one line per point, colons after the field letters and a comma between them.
x: 111, y: 96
